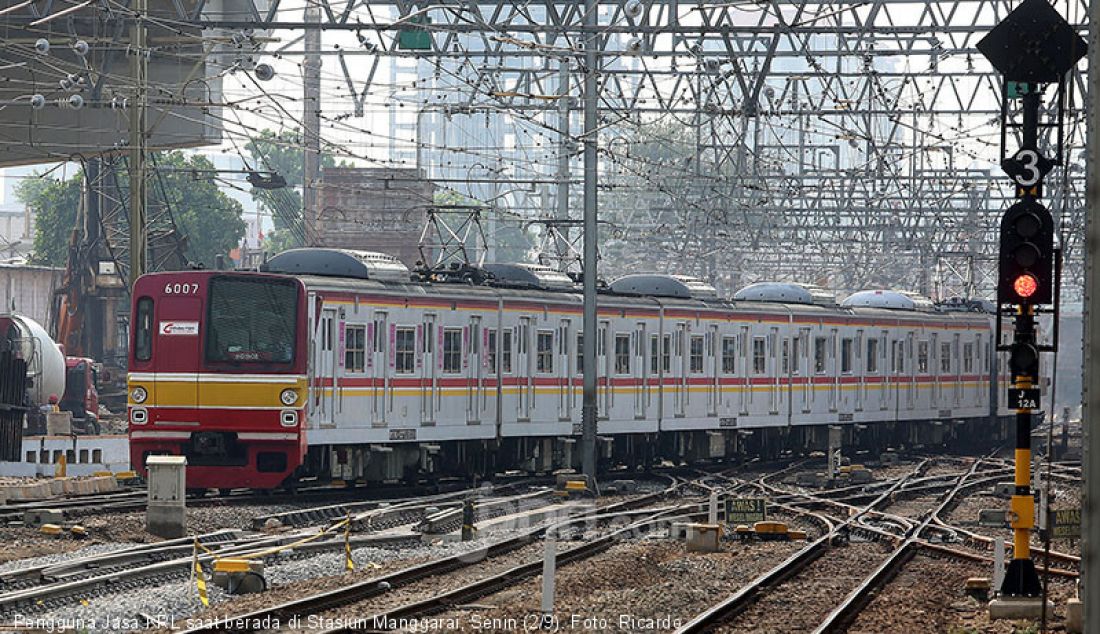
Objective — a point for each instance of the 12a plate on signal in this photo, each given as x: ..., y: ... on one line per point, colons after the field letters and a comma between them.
x: 1023, y: 398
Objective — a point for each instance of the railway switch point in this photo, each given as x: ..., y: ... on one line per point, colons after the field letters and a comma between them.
x: 43, y: 516
x: 1075, y: 616
x: 1018, y: 608
x: 703, y: 538
x: 166, y: 511
x: 239, y: 576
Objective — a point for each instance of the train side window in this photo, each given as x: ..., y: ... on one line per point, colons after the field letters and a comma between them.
x: 355, y: 352
x: 405, y: 350
x: 945, y: 358
x: 580, y: 352
x: 872, y: 356
x: 729, y: 355
x: 846, y: 356
x: 491, y: 352
x: 695, y: 363
x: 544, y: 351
x: 968, y: 358
x: 922, y: 357
x: 820, y: 346
x: 899, y: 357
x: 143, y: 330
x: 452, y: 350
x: 759, y: 360
x: 796, y: 360
x: 785, y: 367
x: 666, y: 354
x: 622, y: 354
x: 506, y: 351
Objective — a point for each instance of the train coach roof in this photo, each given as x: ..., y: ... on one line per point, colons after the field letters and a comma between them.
x: 364, y: 265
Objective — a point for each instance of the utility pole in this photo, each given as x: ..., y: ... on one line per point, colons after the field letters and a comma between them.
x: 589, y: 410
x: 311, y: 123
x: 139, y: 66
x: 1090, y: 505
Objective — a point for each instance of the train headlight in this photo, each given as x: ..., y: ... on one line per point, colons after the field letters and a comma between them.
x: 288, y: 397
x: 138, y: 394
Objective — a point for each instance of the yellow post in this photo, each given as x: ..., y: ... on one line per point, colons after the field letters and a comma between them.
x: 60, y: 469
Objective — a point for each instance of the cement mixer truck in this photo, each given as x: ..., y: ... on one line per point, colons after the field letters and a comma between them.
x: 48, y: 374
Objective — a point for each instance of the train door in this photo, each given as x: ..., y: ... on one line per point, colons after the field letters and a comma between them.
x: 773, y: 378
x: 834, y: 369
x: 978, y: 356
x: 429, y: 373
x: 379, y: 366
x: 604, y: 361
x: 324, y: 369
x: 565, y: 372
x: 680, y: 367
x: 641, y: 387
x: 911, y: 382
x: 746, y: 370
x: 807, y: 389
x: 884, y: 372
x: 471, y: 361
x: 934, y: 369
x: 861, y: 372
x: 713, y: 370
x: 177, y: 349
x: 957, y: 362
x: 523, y: 368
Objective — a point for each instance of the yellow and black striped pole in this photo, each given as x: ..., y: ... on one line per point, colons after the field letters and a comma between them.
x: 349, y: 564
x: 1021, y: 578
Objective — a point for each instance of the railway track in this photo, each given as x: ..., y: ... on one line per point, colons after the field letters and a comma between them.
x: 45, y: 587
x: 355, y: 594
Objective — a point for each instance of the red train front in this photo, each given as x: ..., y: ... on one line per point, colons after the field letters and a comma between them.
x: 218, y: 374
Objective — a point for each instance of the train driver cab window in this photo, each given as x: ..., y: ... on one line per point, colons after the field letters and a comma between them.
x: 544, y: 352
x: 945, y: 358
x: 968, y: 358
x: 846, y: 356
x: 821, y: 345
x: 355, y: 353
x: 922, y: 357
x: 695, y: 355
x: 622, y: 354
x: 759, y: 360
x: 452, y: 350
x: 251, y: 320
x: 143, y: 330
x: 872, y: 356
x: 405, y: 350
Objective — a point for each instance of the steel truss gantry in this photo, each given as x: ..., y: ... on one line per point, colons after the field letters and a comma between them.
x: 851, y: 143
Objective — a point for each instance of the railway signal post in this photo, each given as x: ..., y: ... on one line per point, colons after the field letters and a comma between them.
x: 1033, y: 48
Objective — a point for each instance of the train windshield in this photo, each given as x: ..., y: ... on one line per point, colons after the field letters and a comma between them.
x: 251, y: 320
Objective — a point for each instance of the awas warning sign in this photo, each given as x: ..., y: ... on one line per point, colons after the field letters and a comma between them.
x: 746, y: 510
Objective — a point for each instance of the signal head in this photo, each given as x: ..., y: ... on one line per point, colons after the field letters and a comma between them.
x: 1025, y: 285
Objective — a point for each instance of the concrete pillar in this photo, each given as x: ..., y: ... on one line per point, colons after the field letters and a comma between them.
x: 166, y: 510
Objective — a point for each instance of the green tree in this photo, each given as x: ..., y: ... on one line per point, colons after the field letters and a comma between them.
x: 282, y: 153
x: 210, y: 221
x: 55, y: 203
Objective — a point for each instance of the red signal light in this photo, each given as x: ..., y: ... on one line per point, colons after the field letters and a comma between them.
x: 1025, y: 286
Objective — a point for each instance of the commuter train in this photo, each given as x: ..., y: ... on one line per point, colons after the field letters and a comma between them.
x: 335, y: 364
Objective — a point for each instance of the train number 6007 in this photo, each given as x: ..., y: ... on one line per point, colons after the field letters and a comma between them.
x: 180, y: 289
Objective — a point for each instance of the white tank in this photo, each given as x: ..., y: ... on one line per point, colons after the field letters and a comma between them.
x: 45, y: 361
